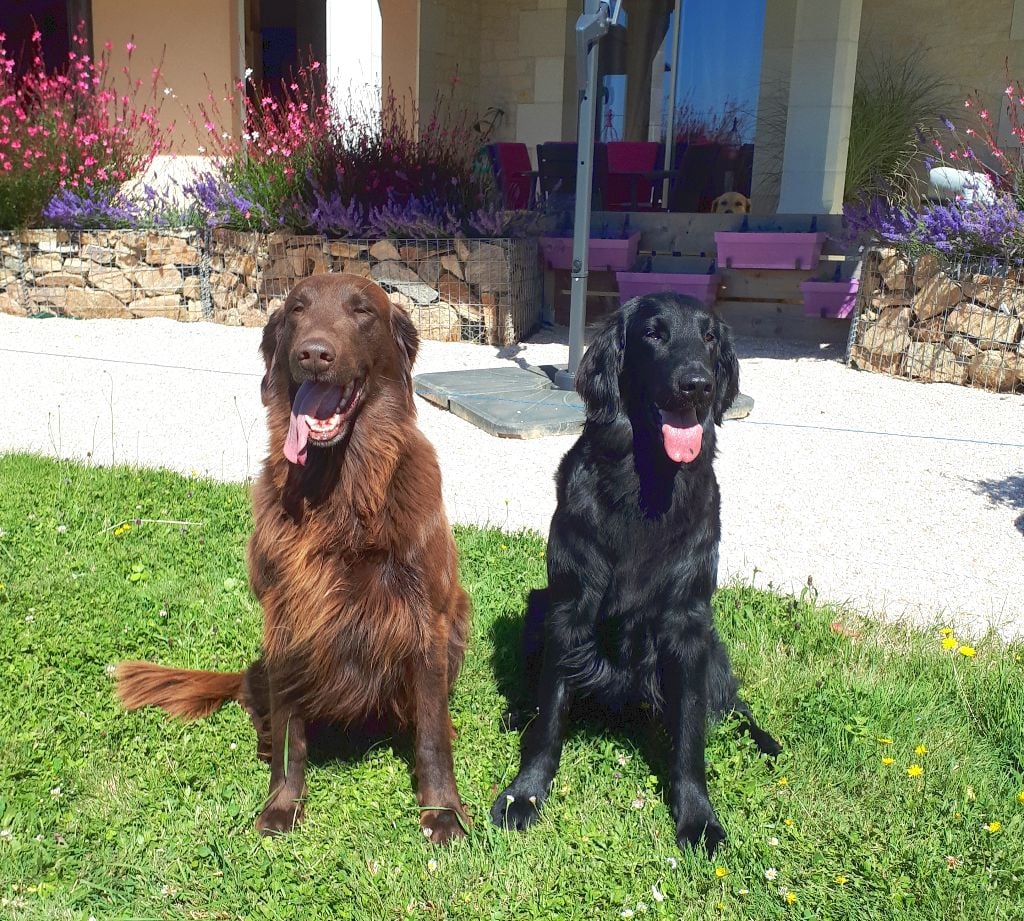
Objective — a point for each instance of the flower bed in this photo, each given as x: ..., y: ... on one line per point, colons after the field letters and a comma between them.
x: 453, y: 289
x: 959, y: 323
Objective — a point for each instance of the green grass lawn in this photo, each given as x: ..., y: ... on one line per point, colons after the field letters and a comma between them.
x: 107, y: 814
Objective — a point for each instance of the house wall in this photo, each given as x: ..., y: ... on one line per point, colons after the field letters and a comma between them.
x: 198, y: 44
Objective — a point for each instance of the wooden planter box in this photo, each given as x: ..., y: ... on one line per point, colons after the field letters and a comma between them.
x: 602, y: 255
x: 746, y: 249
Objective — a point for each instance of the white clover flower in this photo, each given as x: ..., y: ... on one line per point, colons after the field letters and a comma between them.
x: 770, y: 874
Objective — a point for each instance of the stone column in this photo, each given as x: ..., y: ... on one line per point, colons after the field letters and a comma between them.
x: 821, y: 84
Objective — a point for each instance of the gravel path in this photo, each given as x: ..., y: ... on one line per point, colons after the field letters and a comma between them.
x: 896, y: 498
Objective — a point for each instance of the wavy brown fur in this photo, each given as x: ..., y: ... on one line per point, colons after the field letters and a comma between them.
x: 181, y: 692
x: 351, y: 557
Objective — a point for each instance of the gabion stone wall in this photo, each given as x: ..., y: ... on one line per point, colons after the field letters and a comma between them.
x: 960, y: 323
x: 453, y: 289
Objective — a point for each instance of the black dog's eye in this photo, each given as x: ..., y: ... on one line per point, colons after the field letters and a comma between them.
x: 709, y: 336
x: 652, y: 332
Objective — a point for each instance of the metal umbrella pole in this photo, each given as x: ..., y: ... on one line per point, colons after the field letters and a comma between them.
x: 590, y: 28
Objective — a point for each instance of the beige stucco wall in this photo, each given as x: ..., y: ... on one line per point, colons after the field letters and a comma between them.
x: 198, y: 41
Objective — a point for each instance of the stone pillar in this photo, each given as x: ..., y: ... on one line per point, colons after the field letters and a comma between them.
x: 821, y: 84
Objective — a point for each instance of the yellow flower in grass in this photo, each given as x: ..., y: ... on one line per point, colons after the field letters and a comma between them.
x: 790, y: 897
x: 789, y: 823
x: 783, y: 781
x: 993, y: 827
x: 888, y: 761
x: 884, y: 740
x: 949, y: 642
x: 967, y: 651
x: 1020, y: 797
x: 921, y: 749
x: 841, y: 880
x: 915, y: 770
x: 946, y: 631
x: 721, y: 872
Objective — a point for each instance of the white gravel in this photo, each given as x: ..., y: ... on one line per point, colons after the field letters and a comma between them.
x: 894, y: 497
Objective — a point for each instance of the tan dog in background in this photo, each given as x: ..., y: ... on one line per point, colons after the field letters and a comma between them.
x: 731, y: 203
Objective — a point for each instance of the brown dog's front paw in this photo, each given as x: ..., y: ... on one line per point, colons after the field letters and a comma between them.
x: 441, y: 826
x: 279, y: 818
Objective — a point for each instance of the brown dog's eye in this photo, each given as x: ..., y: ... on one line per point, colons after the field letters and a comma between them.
x: 709, y: 336
x: 298, y: 307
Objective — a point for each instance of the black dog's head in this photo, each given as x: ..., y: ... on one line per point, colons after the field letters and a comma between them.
x: 336, y: 344
x: 666, y: 363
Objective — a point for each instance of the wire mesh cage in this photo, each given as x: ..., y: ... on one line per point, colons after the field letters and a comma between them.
x: 479, y: 290
x: 958, y: 322
x: 454, y: 290
x: 105, y: 273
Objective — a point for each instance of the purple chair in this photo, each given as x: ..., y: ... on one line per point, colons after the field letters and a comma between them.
x: 631, y: 165
x: 514, y: 174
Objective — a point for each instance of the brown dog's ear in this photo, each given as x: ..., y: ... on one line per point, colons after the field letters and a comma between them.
x: 406, y: 337
x: 746, y: 206
x: 268, y: 348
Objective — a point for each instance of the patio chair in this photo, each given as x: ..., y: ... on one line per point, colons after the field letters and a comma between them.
x: 514, y: 174
x: 556, y: 164
x: 631, y: 173
x: 696, y: 166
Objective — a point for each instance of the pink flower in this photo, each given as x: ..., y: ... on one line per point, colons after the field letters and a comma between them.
x: 130, y: 47
x: 37, y: 36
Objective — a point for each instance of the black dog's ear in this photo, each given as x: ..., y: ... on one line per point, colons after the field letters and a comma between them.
x: 727, y: 372
x: 406, y: 337
x: 268, y: 347
x: 597, y: 378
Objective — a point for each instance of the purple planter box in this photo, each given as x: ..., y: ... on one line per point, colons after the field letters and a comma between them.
x: 602, y: 255
x: 704, y: 287
x: 834, y: 299
x: 759, y: 250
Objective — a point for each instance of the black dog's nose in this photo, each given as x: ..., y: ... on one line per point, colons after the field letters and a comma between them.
x: 695, y: 385
x: 315, y: 357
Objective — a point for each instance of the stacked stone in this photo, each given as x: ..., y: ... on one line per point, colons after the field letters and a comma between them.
x: 920, y: 321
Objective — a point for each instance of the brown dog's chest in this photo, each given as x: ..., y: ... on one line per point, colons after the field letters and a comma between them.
x: 341, y: 621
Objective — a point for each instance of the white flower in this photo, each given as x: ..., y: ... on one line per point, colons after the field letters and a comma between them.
x: 168, y: 91
x: 248, y: 72
x: 432, y: 865
x: 626, y: 913
x: 743, y: 892
x: 201, y: 149
x: 657, y: 894
x: 233, y: 746
x: 62, y: 529
x: 770, y: 873
x: 5, y: 834
x: 672, y: 862
x: 55, y: 791
x: 773, y: 841
x: 641, y: 906
x: 622, y: 758
x: 374, y: 867
x: 29, y: 619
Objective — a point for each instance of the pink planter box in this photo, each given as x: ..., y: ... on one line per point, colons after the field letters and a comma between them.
x: 758, y: 250
x: 602, y: 255
x: 835, y: 299
x: 704, y: 287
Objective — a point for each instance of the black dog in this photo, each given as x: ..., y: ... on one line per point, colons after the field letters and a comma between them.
x: 633, y: 556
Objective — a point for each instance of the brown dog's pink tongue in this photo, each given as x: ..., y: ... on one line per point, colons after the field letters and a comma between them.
x: 316, y: 400
x: 682, y: 434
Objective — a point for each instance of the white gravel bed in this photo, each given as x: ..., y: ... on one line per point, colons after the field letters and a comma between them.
x: 893, y: 497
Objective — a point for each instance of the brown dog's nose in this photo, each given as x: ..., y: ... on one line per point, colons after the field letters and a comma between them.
x: 315, y: 357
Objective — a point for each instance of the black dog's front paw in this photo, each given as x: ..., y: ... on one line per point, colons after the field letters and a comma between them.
x: 517, y: 808
x: 690, y: 833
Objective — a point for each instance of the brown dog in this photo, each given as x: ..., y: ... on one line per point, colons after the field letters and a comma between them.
x: 351, y: 557
x: 731, y: 203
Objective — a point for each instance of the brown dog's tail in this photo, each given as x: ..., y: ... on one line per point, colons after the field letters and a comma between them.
x: 180, y: 691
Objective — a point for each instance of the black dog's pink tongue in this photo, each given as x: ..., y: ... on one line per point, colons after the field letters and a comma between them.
x: 317, y: 400
x: 682, y: 434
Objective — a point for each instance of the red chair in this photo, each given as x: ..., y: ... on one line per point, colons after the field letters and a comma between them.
x: 630, y: 168
x: 514, y: 174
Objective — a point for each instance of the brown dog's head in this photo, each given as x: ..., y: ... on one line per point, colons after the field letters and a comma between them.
x: 336, y: 345
x: 731, y: 203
